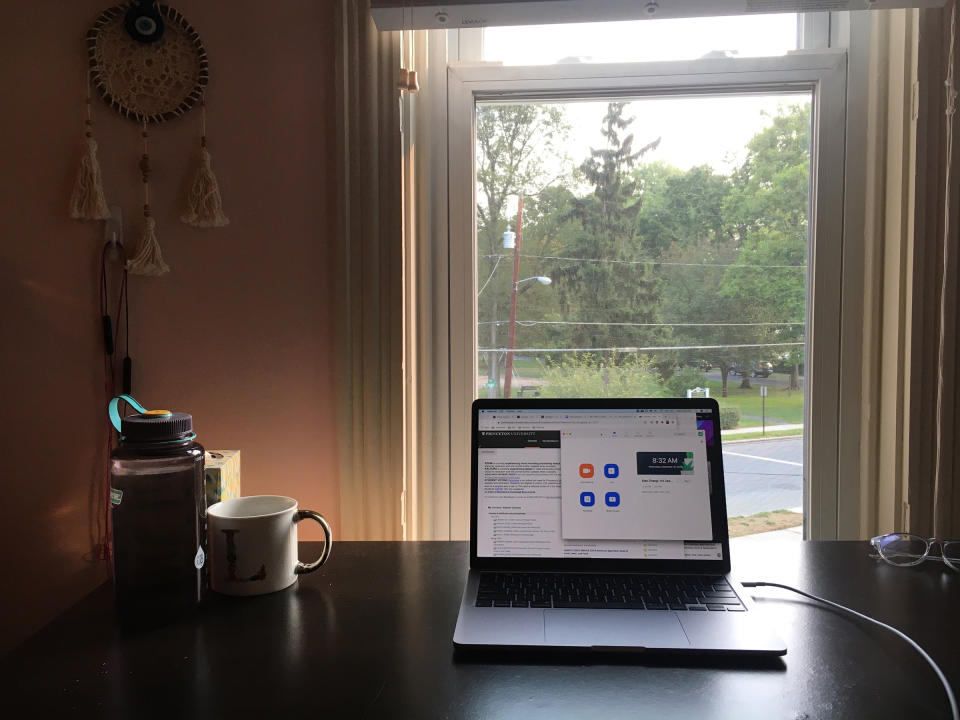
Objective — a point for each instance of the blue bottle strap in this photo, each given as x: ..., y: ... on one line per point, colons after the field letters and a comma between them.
x: 114, y: 410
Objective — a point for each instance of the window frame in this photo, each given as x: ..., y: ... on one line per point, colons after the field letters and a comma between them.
x: 824, y: 74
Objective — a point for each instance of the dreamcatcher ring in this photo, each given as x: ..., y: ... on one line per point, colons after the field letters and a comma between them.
x: 146, y: 70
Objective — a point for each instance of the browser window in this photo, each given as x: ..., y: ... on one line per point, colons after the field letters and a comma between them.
x: 587, y: 483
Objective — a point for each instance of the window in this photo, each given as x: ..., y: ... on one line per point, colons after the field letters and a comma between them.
x: 599, y: 226
x: 642, y: 40
x: 668, y: 261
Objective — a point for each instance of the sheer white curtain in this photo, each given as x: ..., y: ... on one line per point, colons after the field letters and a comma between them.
x: 368, y: 234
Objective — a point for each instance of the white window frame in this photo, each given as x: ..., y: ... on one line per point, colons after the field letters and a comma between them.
x: 824, y: 74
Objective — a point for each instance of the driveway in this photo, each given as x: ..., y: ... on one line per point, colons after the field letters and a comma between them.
x: 763, y: 475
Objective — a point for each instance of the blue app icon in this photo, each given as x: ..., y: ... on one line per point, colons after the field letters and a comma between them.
x: 611, y: 470
x: 587, y: 499
x: 612, y: 499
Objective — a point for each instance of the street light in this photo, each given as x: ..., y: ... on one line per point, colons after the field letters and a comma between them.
x: 514, y: 240
x: 512, y: 338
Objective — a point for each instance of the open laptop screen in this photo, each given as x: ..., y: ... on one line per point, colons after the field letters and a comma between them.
x: 633, y: 481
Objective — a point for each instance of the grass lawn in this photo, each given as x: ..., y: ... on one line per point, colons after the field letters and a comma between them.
x: 523, y: 367
x: 740, y: 437
x: 763, y: 522
x: 782, y: 405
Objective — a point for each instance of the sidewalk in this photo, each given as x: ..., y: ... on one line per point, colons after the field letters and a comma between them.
x: 769, y: 428
x: 774, y: 548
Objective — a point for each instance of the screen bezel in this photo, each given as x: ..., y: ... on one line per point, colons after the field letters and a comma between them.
x: 718, y: 500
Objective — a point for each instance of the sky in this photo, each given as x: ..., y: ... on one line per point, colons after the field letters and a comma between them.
x: 693, y: 131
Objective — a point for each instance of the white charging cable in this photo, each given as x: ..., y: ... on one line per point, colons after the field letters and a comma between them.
x: 923, y: 653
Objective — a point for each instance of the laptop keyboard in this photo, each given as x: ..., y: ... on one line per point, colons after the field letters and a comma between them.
x: 633, y: 592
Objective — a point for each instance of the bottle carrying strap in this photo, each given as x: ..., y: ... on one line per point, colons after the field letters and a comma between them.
x: 114, y: 408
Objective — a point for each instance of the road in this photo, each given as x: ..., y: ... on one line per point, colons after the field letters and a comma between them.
x: 775, y: 380
x: 763, y: 475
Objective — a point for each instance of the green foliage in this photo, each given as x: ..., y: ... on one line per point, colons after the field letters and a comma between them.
x: 593, y: 375
x: 767, y: 208
x: 680, y: 208
x: 687, y: 379
x: 653, y: 244
x: 729, y: 418
x: 621, y: 288
x: 512, y: 141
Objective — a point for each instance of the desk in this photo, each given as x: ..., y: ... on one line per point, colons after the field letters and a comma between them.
x: 370, y: 636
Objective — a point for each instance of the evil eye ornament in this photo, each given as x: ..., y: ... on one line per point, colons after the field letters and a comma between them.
x: 143, y: 22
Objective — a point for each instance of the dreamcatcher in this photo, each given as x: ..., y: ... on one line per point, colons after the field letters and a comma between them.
x: 149, y: 65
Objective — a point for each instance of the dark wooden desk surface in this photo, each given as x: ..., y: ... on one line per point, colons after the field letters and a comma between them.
x: 370, y: 636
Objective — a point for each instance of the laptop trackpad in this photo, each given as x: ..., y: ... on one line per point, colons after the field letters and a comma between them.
x: 613, y: 628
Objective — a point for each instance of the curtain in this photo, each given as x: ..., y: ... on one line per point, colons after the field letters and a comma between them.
x: 935, y: 477
x: 368, y: 234
x: 909, y: 421
x: 426, y: 291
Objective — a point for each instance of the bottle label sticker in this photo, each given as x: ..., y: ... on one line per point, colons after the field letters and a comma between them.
x: 115, y: 496
x: 199, y: 558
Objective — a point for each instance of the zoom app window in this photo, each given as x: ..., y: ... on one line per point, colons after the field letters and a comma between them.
x: 643, y: 479
x: 594, y: 484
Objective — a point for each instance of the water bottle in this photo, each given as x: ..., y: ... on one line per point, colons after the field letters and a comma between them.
x: 158, y: 513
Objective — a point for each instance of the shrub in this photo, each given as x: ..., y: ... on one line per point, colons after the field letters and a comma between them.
x: 729, y: 417
x: 687, y: 379
x: 590, y: 375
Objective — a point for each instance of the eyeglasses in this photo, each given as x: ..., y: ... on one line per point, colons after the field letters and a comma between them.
x: 904, y: 550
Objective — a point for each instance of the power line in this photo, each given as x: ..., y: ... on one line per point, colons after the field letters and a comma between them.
x: 530, y: 323
x: 495, y: 266
x: 639, y: 349
x: 652, y: 262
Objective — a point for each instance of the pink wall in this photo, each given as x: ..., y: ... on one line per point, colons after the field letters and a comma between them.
x: 240, y: 332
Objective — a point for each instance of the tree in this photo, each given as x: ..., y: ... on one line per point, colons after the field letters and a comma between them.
x: 513, y: 145
x: 612, y: 284
x: 768, y: 207
x: 692, y: 295
x: 681, y: 206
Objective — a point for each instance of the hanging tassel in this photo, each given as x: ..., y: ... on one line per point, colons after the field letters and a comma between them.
x: 204, y: 205
x: 87, y: 202
x: 148, y: 260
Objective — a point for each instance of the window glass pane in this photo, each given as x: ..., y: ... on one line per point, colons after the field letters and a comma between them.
x: 642, y: 40
x: 653, y: 248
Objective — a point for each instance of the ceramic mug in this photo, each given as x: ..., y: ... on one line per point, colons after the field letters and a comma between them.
x: 253, y: 544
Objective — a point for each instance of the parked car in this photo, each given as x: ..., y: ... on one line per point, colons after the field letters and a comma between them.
x: 760, y: 369
x: 763, y: 369
x: 702, y: 365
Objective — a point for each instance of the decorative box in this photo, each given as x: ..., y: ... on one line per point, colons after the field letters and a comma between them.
x: 221, y: 475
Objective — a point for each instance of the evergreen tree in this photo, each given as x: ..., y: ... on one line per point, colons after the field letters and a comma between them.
x: 613, y: 283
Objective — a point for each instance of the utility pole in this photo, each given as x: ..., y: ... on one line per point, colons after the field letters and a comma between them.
x: 512, y: 339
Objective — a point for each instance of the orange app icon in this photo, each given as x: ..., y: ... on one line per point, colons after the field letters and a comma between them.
x: 586, y: 470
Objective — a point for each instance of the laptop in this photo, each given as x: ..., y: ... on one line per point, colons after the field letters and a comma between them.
x: 601, y: 524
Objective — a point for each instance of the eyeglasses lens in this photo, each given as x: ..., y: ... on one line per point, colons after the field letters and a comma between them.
x: 951, y: 553
x: 901, y: 549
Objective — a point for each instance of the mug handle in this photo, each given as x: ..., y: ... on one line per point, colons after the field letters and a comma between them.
x: 304, y: 568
